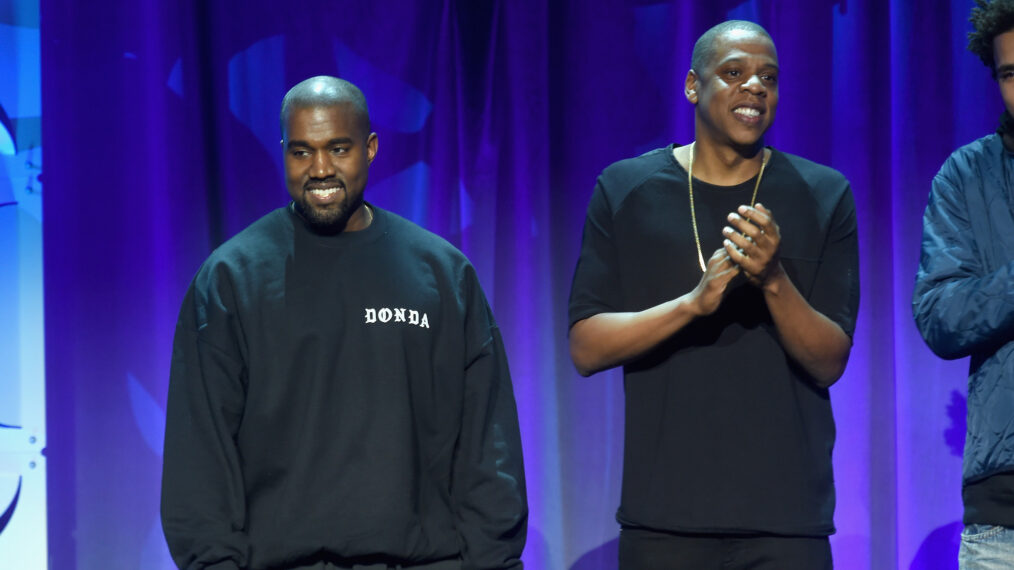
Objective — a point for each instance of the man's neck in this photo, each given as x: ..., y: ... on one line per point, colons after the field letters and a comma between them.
x: 722, y: 165
x: 360, y: 219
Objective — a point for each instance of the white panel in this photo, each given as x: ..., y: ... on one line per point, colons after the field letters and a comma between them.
x: 23, y: 541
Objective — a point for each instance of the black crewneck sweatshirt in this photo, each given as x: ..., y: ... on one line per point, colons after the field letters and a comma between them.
x: 340, y: 398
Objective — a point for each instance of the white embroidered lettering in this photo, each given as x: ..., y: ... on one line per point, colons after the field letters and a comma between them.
x: 397, y: 315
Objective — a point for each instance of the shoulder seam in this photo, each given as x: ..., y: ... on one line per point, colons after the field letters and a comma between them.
x: 639, y: 181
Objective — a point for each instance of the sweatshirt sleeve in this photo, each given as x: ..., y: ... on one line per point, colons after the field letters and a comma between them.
x: 488, y: 480
x: 959, y: 306
x: 203, y: 507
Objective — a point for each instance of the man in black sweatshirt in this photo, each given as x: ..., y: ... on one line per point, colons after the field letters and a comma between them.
x: 339, y: 395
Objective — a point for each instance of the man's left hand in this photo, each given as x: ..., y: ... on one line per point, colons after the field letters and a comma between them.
x: 752, y: 239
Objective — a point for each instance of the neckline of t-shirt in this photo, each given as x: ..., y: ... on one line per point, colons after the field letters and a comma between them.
x: 746, y: 185
x: 376, y: 229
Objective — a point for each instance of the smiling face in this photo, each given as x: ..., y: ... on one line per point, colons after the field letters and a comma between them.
x: 328, y: 152
x: 736, y: 93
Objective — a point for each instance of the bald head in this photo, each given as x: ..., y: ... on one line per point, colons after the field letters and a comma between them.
x: 325, y: 91
x: 704, y: 49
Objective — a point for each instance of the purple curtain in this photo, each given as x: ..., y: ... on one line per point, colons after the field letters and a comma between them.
x: 494, y: 117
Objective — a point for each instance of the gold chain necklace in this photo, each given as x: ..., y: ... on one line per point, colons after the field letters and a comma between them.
x: 693, y: 213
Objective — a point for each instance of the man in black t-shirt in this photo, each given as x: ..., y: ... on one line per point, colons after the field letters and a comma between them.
x: 730, y: 325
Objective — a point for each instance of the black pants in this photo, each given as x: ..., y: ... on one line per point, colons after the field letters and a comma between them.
x: 648, y: 550
x: 442, y: 565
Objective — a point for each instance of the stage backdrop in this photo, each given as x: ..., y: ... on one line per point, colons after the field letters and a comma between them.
x: 494, y: 119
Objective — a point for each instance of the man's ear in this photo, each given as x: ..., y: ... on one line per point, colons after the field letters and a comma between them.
x: 371, y: 147
x: 690, y: 87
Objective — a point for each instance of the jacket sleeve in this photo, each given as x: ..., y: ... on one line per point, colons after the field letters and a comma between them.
x: 960, y: 307
x: 203, y: 506
x: 488, y: 480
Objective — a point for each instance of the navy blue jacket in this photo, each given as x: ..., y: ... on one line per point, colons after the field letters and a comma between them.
x: 964, y: 292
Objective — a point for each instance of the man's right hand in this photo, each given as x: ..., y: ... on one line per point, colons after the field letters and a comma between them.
x: 714, y: 284
x: 610, y: 339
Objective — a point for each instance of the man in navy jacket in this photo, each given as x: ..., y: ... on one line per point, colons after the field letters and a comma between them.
x: 964, y: 298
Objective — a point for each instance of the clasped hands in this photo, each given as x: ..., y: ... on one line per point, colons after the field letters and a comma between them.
x: 750, y: 246
x: 751, y: 241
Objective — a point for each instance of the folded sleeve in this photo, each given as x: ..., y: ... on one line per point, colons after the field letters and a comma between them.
x: 960, y: 306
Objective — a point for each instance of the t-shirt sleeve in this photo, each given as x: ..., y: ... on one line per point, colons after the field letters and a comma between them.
x: 836, y: 284
x: 596, y: 286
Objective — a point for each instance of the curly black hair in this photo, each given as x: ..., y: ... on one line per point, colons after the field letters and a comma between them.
x: 989, y: 19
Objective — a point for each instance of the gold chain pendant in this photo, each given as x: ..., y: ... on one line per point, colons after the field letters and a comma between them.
x: 693, y: 212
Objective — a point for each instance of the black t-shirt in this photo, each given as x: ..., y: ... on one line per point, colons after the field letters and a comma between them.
x: 990, y: 500
x: 724, y: 433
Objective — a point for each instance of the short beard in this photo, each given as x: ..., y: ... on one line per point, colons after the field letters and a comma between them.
x: 327, y: 222
x: 1006, y: 127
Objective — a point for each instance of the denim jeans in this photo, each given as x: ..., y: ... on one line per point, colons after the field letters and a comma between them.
x: 986, y: 547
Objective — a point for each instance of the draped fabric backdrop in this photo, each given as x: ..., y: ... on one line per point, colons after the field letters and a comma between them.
x: 494, y: 117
